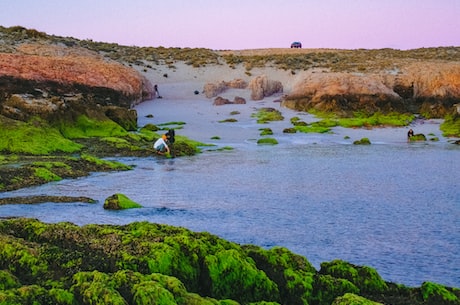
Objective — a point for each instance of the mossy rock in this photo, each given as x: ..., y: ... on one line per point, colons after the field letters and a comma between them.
x: 291, y: 272
x: 353, y: 299
x: 327, y: 288
x: 36, y: 137
x: 120, y: 202
x: 438, y: 294
x: 266, y: 131
x: 289, y: 130
x: 420, y: 137
x: 300, y: 123
x: 267, y: 141
x: 151, y: 127
x: 141, y: 262
x: 451, y: 125
x: 363, y: 141
x: 240, y: 271
x: 8, y: 281
x: 365, y: 278
x: 265, y: 115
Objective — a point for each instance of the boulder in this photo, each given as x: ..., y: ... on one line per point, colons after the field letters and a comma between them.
x: 126, y: 118
x: 343, y: 94
x: 119, y: 202
x: 239, y: 100
x: 262, y: 87
x: 219, y: 101
x: 214, y: 89
x: 211, y: 90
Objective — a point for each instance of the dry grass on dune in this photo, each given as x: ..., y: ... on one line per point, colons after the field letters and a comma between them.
x: 275, y: 51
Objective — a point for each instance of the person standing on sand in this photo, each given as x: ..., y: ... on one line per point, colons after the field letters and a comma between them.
x: 157, y: 94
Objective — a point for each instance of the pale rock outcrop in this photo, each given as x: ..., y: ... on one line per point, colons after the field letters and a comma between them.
x: 262, y: 87
x: 61, y: 70
x: 211, y: 90
x: 342, y: 93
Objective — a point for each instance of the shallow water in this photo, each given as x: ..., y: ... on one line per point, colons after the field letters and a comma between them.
x: 393, y: 206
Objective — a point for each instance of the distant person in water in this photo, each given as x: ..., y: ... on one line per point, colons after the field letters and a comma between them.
x: 410, y: 133
x: 157, y: 94
x: 161, y: 145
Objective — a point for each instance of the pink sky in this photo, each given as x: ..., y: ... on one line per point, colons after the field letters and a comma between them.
x: 245, y: 24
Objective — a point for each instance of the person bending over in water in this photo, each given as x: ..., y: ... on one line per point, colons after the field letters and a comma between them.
x: 161, y: 145
x: 410, y: 133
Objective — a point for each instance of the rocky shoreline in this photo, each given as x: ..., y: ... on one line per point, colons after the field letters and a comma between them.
x: 145, y: 263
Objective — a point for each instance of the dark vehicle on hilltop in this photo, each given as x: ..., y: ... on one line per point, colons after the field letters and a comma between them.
x: 296, y: 44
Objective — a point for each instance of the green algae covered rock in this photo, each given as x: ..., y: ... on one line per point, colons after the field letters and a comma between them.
x: 241, y: 277
x: 438, y: 294
x: 353, y: 299
x: 451, y: 125
x: 267, y: 141
x: 420, y: 137
x: 328, y: 288
x: 120, y: 202
x: 363, y: 141
x: 365, y: 278
x: 146, y: 263
x: 292, y: 273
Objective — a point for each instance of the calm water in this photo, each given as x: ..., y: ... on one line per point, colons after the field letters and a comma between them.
x: 393, y: 206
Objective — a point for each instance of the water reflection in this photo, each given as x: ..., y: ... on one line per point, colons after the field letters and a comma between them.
x: 392, y: 207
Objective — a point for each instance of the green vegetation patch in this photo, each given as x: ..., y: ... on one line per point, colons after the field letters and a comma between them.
x: 172, y: 123
x: 437, y: 294
x: 361, y: 119
x: 353, y: 299
x: 35, y: 137
x: 377, y: 119
x: 265, y: 115
x: 101, y: 163
x: 46, y: 174
x: 312, y: 129
x: 451, y: 126
x: 267, y: 141
x: 420, y: 137
x: 365, y: 278
x: 85, y: 127
x: 241, y: 272
x: 145, y: 263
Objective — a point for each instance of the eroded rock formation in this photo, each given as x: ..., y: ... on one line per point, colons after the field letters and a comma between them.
x: 262, y: 87
x: 427, y: 88
x: 60, y: 70
x: 214, y: 89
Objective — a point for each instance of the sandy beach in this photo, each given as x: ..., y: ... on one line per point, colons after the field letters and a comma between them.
x: 202, y: 119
